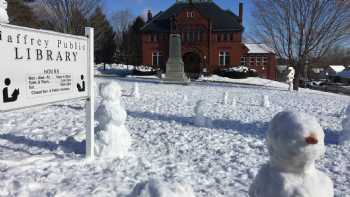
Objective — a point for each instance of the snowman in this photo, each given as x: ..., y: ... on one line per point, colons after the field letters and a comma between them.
x: 3, y: 13
x: 344, y: 137
x: 290, y: 78
x: 295, y: 141
x: 112, y: 138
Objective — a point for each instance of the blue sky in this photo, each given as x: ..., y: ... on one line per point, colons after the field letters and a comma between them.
x: 139, y: 7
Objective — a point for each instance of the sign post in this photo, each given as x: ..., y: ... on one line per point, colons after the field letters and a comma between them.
x: 90, y: 119
x: 41, y: 67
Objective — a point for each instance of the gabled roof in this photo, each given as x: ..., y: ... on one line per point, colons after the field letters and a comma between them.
x: 258, y: 48
x: 222, y: 20
x: 337, y: 68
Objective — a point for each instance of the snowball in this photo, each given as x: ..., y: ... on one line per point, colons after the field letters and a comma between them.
x: 295, y: 141
x: 112, y: 138
x: 155, y: 188
x: 3, y: 12
x: 200, y: 120
x: 110, y: 91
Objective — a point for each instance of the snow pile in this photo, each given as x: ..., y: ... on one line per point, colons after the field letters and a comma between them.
x: 265, y: 101
x: 200, y: 119
x: 295, y: 141
x: 155, y: 188
x: 3, y: 12
x: 248, y: 81
x: 135, y: 91
x: 112, y: 138
x: 345, y: 135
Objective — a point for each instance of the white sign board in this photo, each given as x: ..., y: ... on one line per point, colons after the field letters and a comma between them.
x: 39, y: 67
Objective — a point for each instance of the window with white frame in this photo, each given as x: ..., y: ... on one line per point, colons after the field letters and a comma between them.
x: 243, y: 61
x: 264, y: 61
x: 252, y: 61
x: 156, y: 58
x: 259, y: 61
x: 224, y: 58
x: 190, y: 14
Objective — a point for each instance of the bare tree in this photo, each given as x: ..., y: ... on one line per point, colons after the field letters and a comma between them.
x: 68, y: 16
x: 121, y: 21
x: 300, y: 30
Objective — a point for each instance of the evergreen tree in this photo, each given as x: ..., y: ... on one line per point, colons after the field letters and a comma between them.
x: 105, y: 46
x: 131, y: 46
x: 21, y: 14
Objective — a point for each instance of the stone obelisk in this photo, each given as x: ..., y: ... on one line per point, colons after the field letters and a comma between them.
x: 3, y: 12
x: 175, y: 72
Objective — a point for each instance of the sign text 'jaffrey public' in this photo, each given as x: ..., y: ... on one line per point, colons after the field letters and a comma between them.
x: 39, y: 67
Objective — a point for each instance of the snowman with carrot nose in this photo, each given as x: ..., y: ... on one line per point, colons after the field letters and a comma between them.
x: 294, y: 140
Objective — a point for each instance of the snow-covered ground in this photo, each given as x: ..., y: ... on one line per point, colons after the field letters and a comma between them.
x: 40, y: 152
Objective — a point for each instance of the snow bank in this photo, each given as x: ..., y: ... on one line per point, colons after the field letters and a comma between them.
x: 3, y: 12
x: 249, y: 80
x: 295, y: 141
x: 112, y: 138
x: 155, y: 188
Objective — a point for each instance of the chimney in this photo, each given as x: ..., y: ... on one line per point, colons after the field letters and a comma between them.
x: 149, y: 15
x: 241, y: 11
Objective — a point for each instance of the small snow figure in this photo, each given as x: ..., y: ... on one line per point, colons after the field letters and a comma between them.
x: 200, y: 120
x: 266, y: 101
x: 185, y: 98
x: 290, y: 78
x: 112, y: 138
x: 3, y: 12
x: 344, y: 137
x: 135, y: 92
x: 155, y: 188
x: 295, y: 141
x: 225, y: 98
x: 234, y: 102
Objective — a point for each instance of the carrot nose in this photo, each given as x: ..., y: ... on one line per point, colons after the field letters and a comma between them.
x: 311, y: 140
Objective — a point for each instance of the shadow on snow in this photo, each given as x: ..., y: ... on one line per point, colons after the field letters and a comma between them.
x: 256, y: 129
x: 70, y: 145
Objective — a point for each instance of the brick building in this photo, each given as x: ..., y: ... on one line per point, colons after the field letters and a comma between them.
x: 211, y: 37
x: 262, y: 59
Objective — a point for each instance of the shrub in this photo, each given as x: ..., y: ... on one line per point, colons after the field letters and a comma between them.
x: 237, y: 72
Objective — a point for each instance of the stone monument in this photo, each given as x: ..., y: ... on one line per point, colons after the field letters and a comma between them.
x: 175, y: 72
x: 3, y: 12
